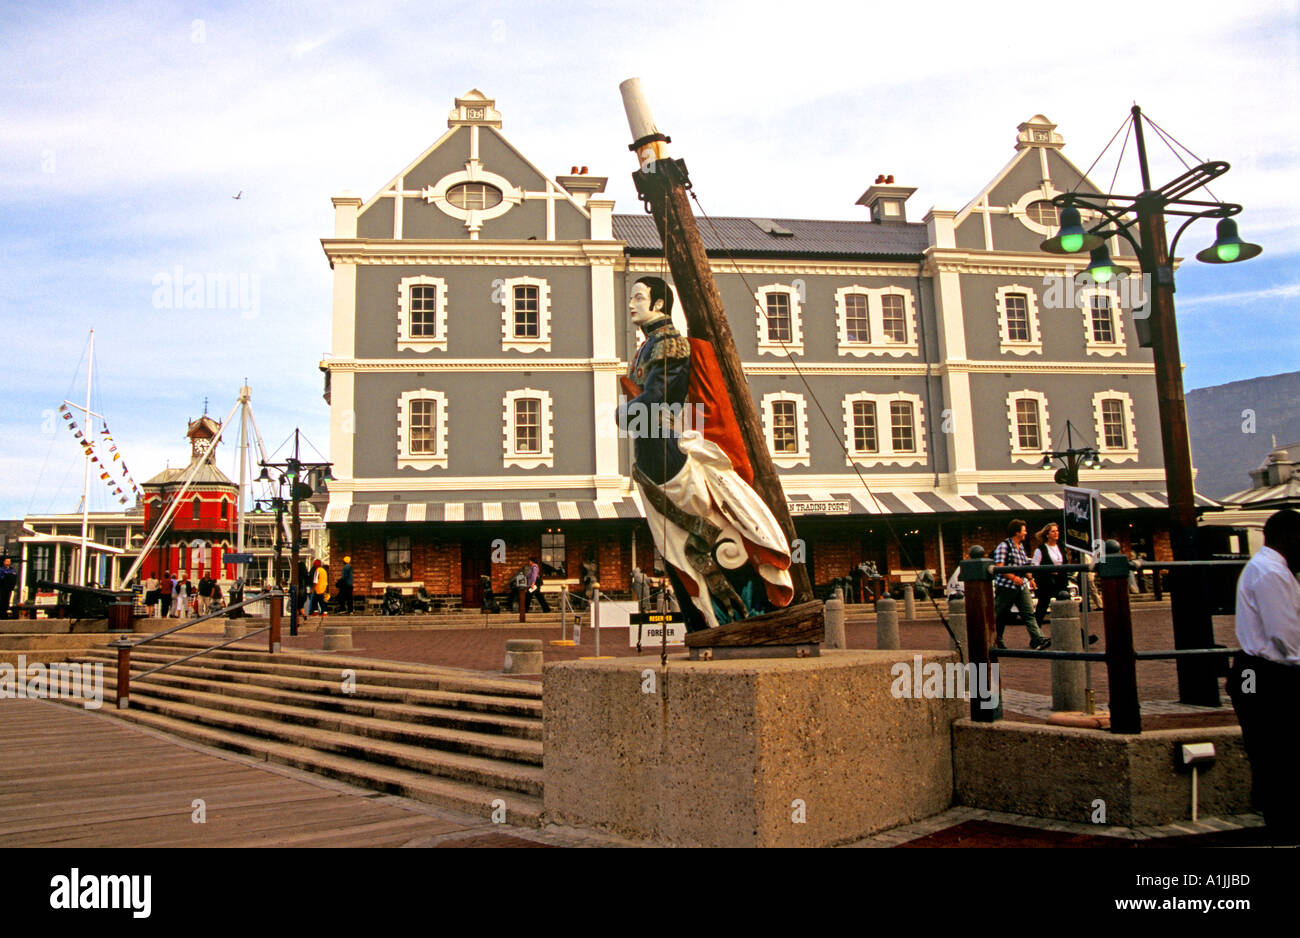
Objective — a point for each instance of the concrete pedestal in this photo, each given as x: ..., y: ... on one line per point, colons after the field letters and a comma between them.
x: 337, y: 638
x: 768, y: 752
x: 235, y: 629
x: 523, y: 656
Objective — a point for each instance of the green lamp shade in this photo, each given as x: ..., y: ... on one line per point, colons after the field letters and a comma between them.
x: 1101, y: 268
x: 1071, y: 239
x: 1228, y: 246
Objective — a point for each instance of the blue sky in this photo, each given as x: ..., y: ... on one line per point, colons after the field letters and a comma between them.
x: 126, y: 129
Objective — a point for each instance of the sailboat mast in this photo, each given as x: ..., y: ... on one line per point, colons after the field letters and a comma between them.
x: 245, y: 395
x: 85, y: 477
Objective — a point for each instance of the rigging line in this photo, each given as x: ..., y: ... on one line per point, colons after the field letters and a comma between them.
x: 1169, y: 141
x: 67, y: 396
x: 1128, y: 122
x: 1120, y: 161
x: 313, y: 447
x: 903, y: 554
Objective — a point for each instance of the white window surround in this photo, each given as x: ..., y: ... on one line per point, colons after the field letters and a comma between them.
x: 1018, y: 454
x: 421, y: 343
x: 511, y: 342
x: 885, y: 431
x: 1130, y: 452
x: 788, y: 460
x: 514, y: 458
x: 877, y: 344
x: 405, y: 458
x: 1020, y: 210
x: 1118, y: 347
x: 795, y: 345
x: 1035, y: 343
x: 511, y: 195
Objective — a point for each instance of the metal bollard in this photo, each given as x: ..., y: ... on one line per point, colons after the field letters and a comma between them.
x: 887, y: 623
x: 909, y: 602
x: 273, y: 633
x: 123, y: 673
x: 1069, y: 686
x: 834, y: 619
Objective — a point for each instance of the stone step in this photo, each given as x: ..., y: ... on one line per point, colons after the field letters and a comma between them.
x: 485, y: 745
x: 48, y: 641
x: 329, y: 697
x: 474, y: 770
x: 330, y: 668
x: 521, y: 808
x: 442, y: 677
x: 368, y: 687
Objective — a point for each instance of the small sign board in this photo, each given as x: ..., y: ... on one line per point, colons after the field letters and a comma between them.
x: 837, y: 507
x: 236, y: 558
x: 311, y: 526
x: 1082, y: 523
x: 651, y: 627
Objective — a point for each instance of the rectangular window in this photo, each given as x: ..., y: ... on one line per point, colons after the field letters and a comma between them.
x: 424, y: 425
x: 553, y: 559
x: 1103, y: 322
x: 528, y: 426
x: 902, y: 426
x: 1112, y: 424
x: 1017, y: 317
x: 785, y: 434
x: 397, y: 558
x: 424, y: 312
x: 857, y: 327
x: 116, y: 537
x: 195, y: 509
x: 40, y: 559
x: 778, y: 317
x: 1027, y: 424
x: 527, y: 322
x: 892, y: 320
x: 865, y: 438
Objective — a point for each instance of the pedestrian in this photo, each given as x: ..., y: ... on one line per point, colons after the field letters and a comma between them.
x: 535, y: 587
x: 304, y: 587
x: 181, y: 597
x: 1264, y: 681
x: 1048, y: 554
x: 1011, y: 590
x: 345, y: 585
x: 150, y: 587
x: 166, y: 586
x: 8, y: 580
x: 216, y: 597
x: 316, y: 586
x: 205, y: 593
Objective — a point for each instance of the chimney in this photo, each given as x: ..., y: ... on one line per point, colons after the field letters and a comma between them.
x: 886, y: 201
x: 581, y: 185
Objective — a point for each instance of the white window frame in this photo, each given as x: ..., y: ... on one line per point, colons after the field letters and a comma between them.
x: 795, y: 345
x: 1035, y: 343
x: 1130, y: 452
x: 405, y: 458
x: 1117, y: 347
x: 800, y: 457
x: 1019, y: 454
x: 877, y: 344
x: 436, y: 195
x: 885, y: 454
x: 512, y: 456
x: 421, y: 343
x: 509, y: 341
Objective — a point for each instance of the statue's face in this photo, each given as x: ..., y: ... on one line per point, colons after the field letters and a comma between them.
x: 640, y: 307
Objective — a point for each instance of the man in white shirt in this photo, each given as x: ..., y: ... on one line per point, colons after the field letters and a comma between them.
x: 1264, y: 682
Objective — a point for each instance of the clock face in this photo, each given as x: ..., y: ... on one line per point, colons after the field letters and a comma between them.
x: 202, y: 446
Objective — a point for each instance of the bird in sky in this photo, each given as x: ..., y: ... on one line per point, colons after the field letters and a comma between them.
x: 240, y: 196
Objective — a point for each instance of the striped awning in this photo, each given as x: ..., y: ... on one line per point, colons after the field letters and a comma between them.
x: 935, y: 502
x: 801, y: 505
x: 445, y: 512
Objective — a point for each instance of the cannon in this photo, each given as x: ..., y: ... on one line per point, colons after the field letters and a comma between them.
x: 86, y: 602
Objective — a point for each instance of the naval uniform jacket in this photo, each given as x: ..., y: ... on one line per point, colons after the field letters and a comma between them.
x: 662, y: 370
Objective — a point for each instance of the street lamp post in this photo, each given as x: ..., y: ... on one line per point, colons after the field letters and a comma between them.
x: 1157, y: 329
x: 291, y: 470
x: 1072, y: 459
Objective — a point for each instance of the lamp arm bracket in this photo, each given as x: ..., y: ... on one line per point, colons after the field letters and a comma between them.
x: 1218, y: 210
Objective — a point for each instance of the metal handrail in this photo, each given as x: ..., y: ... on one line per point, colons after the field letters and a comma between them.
x: 124, y: 645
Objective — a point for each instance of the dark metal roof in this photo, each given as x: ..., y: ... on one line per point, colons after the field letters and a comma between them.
x: 747, y: 237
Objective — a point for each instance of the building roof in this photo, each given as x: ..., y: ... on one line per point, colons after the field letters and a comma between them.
x: 208, y: 474
x: 784, y: 237
x: 1276, y: 482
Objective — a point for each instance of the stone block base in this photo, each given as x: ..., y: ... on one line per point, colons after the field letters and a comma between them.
x: 1062, y: 772
x: 767, y: 752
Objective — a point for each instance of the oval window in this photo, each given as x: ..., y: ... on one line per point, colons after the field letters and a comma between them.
x: 1043, y: 213
x: 473, y: 195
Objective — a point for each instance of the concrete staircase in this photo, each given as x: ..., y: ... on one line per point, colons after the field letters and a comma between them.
x: 437, y: 735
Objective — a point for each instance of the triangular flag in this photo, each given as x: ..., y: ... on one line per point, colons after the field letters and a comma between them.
x: 116, y: 457
x: 103, y: 475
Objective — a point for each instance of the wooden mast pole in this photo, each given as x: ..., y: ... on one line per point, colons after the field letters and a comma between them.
x: 662, y: 183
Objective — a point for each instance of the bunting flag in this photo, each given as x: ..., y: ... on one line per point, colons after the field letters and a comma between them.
x: 87, y: 439
x: 104, y: 475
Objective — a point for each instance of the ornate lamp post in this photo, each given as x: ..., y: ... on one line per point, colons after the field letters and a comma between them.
x: 291, y: 471
x: 1140, y: 220
x: 1072, y: 459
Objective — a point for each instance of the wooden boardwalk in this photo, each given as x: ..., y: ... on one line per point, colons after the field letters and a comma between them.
x: 76, y: 778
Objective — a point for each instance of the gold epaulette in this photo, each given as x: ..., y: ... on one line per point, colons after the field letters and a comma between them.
x: 670, y: 344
